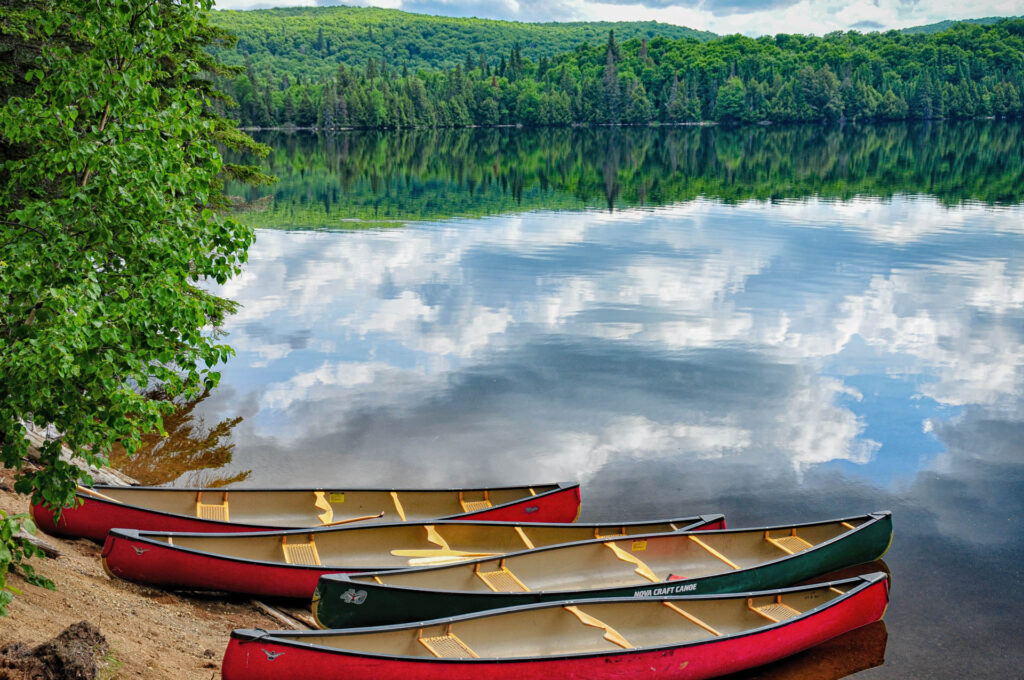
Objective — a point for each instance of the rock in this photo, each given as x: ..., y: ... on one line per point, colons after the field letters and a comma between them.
x: 72, y: 655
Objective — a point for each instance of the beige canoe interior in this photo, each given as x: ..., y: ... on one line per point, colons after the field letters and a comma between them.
x: 585, y: 628
x: 401, y: 545
x: 619, y: 563
x: 316, y: 508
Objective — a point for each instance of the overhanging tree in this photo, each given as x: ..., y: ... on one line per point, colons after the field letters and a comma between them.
x: 109, y: 183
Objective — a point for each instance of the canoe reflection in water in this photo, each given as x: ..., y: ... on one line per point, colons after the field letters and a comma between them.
x: 840, y: 657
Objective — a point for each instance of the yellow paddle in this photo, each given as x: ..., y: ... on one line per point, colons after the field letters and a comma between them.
x: 92, y: 492
x: 441, y: 559
x: 440, y: 552
x: 354, y: 519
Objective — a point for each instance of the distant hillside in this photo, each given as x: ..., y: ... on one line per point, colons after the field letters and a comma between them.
x: 945, y: 25
x: 312, y: 41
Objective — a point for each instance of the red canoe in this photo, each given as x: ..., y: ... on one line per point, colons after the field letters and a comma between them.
x: 682, y: 638
x: 103, y: 508
x: 289, y: 563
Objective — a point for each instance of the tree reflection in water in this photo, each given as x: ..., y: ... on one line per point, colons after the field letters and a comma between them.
x: 189, y: 453
x: 349, y: 179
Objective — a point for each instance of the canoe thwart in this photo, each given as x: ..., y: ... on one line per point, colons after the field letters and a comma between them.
x: 434, y: 537
x: 773, y: 611
x: 215, y: 511
x: 791, y: 544
x: 475, y: 504
x: 641, y: 568
x: 714, y: 552
x: 691, y: 618
x: 320, y: 502
x: 398, y: 504
x: 501, y: 580
x: 610, y: 634
x: 300, y: 553
x: 526, y: 539
x: 446, y: 646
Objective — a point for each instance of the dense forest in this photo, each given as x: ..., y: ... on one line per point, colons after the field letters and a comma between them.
x: 312, y: 41
x: 965, y: 71
x: 377, y: 178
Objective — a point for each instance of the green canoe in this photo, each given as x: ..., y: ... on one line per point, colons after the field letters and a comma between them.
x: 651, y: 565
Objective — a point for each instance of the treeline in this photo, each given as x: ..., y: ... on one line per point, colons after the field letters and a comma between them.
x: 329, y: 180
x: 964, y: 72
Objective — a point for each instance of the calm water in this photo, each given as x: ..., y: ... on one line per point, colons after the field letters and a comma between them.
x: 781, y: 325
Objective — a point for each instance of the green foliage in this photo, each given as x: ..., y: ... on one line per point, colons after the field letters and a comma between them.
x: 965, y: 71
x: 354, y: 179
x: 14, y: 550
x: 312, y: 41
x: 109, y: 182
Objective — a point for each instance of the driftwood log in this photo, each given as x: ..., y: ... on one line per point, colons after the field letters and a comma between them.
x: 280, y: 616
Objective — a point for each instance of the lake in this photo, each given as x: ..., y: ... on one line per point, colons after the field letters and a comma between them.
x: 777, y: 323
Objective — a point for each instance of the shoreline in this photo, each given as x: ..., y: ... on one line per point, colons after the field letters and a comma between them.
x: 152, y: 633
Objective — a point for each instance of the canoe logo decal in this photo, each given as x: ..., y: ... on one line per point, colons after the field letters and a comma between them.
x: 271, y: 655
x: 530, y: 509
x: 139, y: 551
x: 353, y: 596
x: 667, y: 590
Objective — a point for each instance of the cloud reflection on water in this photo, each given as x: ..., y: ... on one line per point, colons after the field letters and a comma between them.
x: 551, y: 344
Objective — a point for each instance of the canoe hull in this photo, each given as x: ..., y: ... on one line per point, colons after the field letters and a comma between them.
x: 153, y: 564
x: 268, y: 659
x: 378, y: 605
x: 132, y: 557
x: 94, y: 517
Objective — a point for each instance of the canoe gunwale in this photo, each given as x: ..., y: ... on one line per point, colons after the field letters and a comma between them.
x: 144, y: 536
x: 232, y: 527
x: 860, y: 584
x: 872, y: 519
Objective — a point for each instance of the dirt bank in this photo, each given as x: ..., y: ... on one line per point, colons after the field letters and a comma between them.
x: 152, y: 633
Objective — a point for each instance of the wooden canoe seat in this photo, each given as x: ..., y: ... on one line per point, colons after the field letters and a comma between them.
x: 501, y: 580
x: 774, y: 611
x: 714, y: 552
x: 475, y: 504
x: 641, y: 568
x: 610, y: 634
x: 447, y: 646
x: 791, y: 544
x: 214, y: 511
x: 691, y: 618
x: 321, y: 503
x: 597, y: 533
x: 300, y: 553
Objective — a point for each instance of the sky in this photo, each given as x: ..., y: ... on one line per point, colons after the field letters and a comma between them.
x: 750, y: 17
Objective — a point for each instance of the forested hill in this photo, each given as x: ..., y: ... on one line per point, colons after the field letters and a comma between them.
x: 946, y: 25
x: 966, y: 71
x: 312, y: 41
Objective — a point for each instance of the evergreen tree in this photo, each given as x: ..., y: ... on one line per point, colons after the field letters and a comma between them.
x: 731, y: 104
